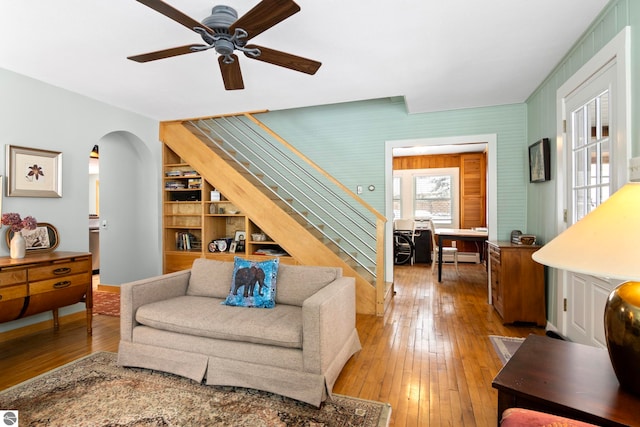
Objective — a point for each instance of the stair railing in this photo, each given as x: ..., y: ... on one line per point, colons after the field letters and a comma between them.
x: 292, y: 179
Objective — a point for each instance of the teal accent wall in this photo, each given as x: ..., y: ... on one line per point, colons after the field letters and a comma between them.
x: 541, y: 201
x: 348, y: 141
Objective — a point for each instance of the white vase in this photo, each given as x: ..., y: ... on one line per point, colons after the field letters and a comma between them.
x: 17, y: 246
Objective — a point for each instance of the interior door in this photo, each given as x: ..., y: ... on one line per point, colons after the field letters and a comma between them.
x: 590, y: 156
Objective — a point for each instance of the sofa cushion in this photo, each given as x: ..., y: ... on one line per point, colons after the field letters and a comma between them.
x: 296, y: 283
x: 210, y: 278
x: 247, y: 275
x: 206, y: 317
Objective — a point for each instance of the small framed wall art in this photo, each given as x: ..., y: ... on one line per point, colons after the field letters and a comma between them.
x: 540, y: 161
x: 33, y: 172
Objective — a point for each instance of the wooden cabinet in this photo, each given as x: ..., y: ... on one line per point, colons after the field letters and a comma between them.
x: 195, y: 214
x: 517, y: 283
x: 43, y: 282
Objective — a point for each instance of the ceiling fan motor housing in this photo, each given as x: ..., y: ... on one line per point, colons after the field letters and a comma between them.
x: 221, y: 18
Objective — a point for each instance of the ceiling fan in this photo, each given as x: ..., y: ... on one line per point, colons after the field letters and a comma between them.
x: 225, y: 33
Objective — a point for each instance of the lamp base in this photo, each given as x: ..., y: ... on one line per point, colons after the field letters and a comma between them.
x: 622, y: 330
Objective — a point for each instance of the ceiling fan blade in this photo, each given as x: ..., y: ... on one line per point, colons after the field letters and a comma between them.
x: 286, y: 60
x: 173, y: 13
x: 265, y: 15
x: 166, y: 53
x: 231, y: 74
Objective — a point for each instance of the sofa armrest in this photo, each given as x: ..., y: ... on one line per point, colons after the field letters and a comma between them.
x: 328, y: 320
x: 136, y: 294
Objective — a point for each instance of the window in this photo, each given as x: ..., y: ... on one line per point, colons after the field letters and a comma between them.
x: 397, y: 197
x: 427, y: 193
x: 432, y: 198
x: 591, y: 155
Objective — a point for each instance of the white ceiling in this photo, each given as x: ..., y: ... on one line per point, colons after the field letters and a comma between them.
x: 438, y: 54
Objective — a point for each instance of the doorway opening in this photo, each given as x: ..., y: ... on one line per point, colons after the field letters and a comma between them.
x: 399, y: 146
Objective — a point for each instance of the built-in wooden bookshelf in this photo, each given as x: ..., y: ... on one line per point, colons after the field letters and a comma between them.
x: 199, y: 221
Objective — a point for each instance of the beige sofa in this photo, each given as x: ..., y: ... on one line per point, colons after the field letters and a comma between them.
x: 176, y: 323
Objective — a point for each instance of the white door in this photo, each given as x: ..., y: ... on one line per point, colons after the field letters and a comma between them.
x: 590, y: 154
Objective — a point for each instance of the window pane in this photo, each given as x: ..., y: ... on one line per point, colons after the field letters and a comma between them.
x: 433, y: 198
x: 579, y: 166
x: 592, y: 120
x: 430, y: 187
x: 604, y: 193
x: 604, y: 115
x: 605, y: 150
x: 396, y: 187
x: 396, y: 210
x: 594, y: 159
x: 578, y: 128
x: 580, y: 209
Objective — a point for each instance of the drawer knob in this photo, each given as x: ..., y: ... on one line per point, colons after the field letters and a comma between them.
x: 61, y: 285
x: 61, y: 271
x: 0, y: 296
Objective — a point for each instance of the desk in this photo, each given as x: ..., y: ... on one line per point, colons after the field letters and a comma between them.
x: 457, y: 234
x: 567, y: 379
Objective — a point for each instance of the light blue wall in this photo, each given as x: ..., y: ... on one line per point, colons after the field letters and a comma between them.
x: 542, y: 112
x: 348, y: 141
x: 38, y: 115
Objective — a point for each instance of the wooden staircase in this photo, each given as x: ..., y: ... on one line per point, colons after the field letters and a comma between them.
x: 303, y: 243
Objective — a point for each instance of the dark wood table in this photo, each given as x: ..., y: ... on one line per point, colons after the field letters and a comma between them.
x: 566, y: 379
x: 463, y: 234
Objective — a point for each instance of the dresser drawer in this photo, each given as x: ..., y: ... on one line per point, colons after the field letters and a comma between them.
x: 59, y: 292
x: 13, y: 276
x: 13, y: 292
x: 58, y: 283
x: 61, y: 269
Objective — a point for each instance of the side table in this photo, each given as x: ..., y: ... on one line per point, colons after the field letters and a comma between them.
x: 568, y: 379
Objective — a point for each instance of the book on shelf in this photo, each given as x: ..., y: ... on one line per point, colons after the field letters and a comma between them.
x: 195, y: 183
x: 186, y: 241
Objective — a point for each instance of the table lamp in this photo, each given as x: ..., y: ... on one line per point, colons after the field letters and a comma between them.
x: 606, y: 243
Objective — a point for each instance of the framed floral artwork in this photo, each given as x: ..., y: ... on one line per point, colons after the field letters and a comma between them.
x: 33, y: 172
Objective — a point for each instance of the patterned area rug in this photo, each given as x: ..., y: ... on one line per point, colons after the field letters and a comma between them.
x: 107, y: 303
x: 94, y: 391
x: 505, y: 346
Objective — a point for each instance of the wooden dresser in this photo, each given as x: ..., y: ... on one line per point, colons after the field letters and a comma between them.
x: 517, y: 283
x: 43, y: 282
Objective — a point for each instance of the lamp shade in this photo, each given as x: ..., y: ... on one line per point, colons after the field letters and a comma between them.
x: 605, y: 243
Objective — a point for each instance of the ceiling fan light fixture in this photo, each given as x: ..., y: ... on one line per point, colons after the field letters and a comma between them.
x: 224, y: 47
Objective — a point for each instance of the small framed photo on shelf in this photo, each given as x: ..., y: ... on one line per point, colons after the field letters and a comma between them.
x: 240, y: 239
x: 232, y: 247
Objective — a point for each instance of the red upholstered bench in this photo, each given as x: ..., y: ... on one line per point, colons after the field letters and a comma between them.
x: 519, y: 417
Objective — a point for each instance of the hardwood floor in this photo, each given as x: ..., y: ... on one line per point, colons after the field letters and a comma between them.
x: 429, y: 356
